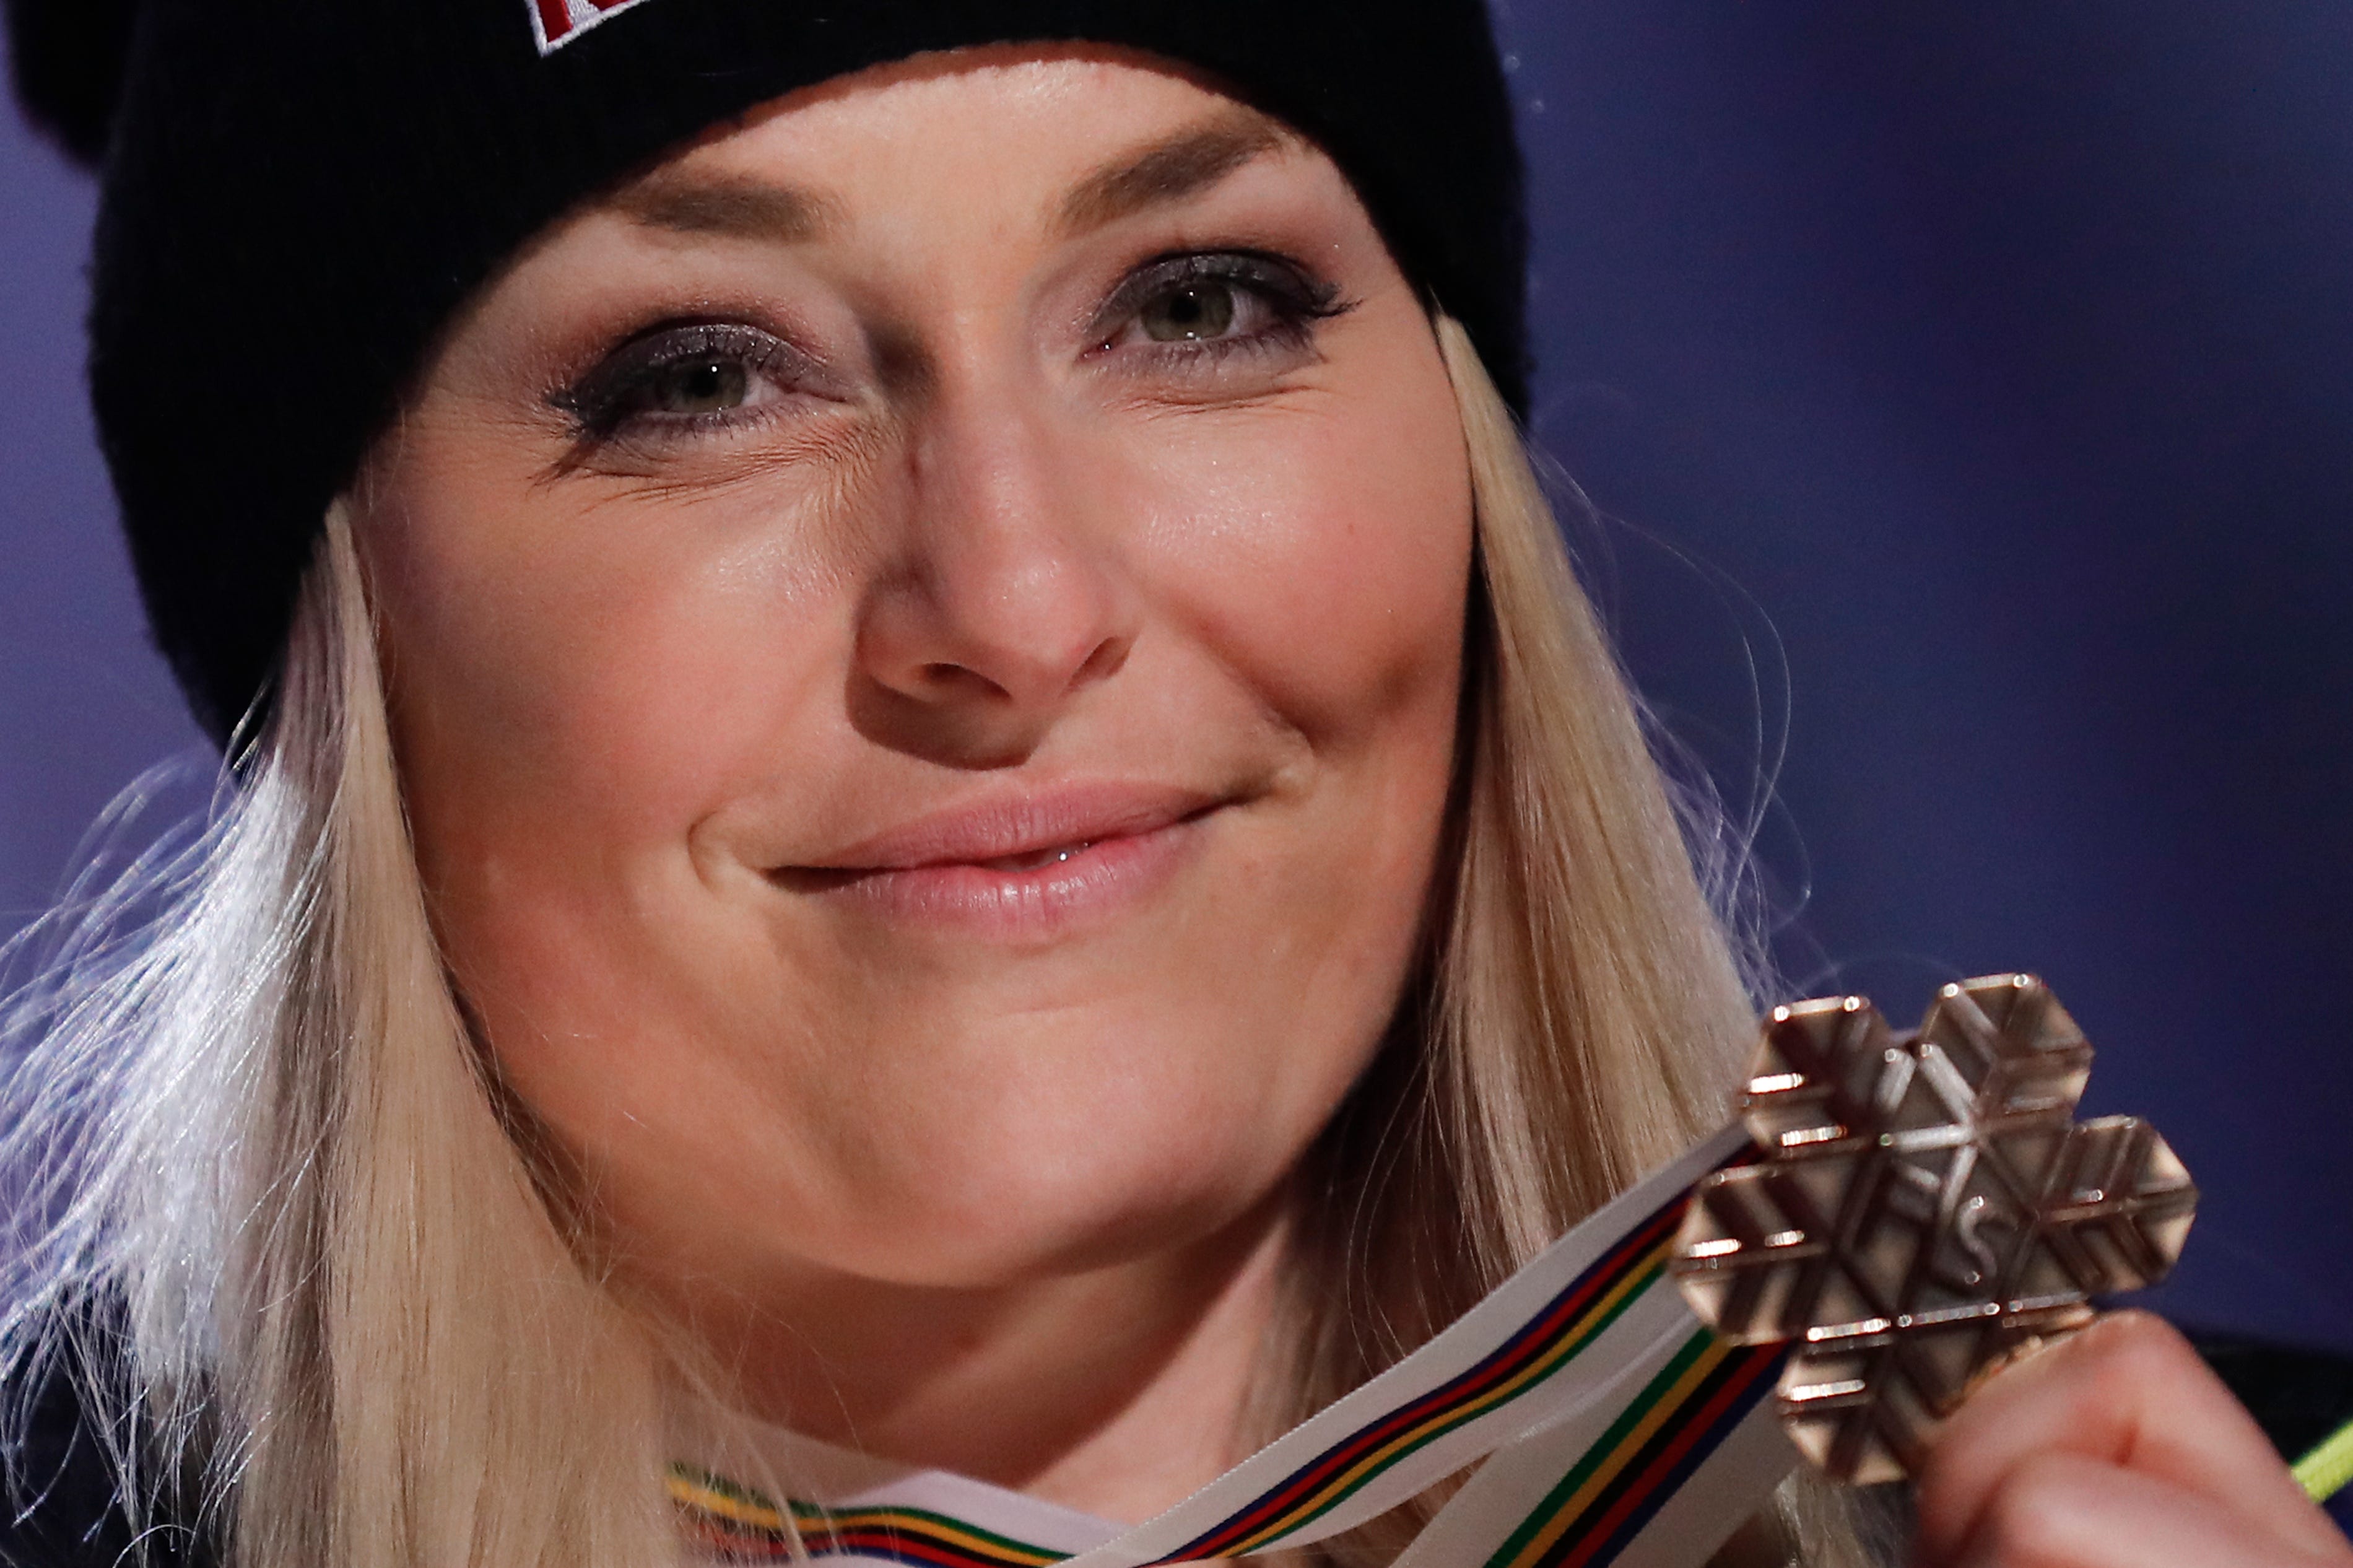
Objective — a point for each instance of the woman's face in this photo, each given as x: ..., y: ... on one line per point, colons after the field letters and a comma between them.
x: 925, y: 637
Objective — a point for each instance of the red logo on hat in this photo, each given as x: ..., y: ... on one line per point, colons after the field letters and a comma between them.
x: 556, y: 23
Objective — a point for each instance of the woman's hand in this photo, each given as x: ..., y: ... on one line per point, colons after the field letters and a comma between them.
x: 2117, y: 1448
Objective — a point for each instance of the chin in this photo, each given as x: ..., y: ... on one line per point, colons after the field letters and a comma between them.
x: 977, y: 1201
x: 930, y: 1126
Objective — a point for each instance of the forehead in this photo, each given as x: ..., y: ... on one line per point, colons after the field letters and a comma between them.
x: 1081, y: 140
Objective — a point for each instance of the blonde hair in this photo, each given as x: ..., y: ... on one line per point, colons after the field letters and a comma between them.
x: 264, y: 1135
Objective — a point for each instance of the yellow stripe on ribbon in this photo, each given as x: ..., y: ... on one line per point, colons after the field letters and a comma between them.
x: 724, y: 1502
x: 932, y: 1528
x: 1644, y: 1275
x: 1658, y: 1416
x: 736, y: 1508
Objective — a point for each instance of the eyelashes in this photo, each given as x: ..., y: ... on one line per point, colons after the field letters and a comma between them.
x: 1182, y: 316
x: 1215, y: 300
x: 686, y: 375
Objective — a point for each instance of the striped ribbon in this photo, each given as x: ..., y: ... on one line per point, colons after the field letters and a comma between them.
x: 738, y: 1523
x: 1585, y: 1377
x: 1661, y: 1439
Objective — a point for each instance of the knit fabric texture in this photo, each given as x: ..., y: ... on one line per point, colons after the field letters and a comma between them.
x: 298, y: 195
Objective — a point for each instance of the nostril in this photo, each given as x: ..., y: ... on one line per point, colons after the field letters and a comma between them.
x: 1104, y: 663
x: 946, y: 678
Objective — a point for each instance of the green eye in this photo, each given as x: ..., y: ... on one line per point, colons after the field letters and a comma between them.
x: 1190, y: 313
x: 704, y: 385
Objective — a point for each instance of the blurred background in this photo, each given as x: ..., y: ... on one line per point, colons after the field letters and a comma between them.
x: 1967, y: 395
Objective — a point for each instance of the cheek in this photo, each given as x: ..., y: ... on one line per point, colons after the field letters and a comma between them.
x: 573, y: 688
x: 568, y: 678
x: 1325, y: 557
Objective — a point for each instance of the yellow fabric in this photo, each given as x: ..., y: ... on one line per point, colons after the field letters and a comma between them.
x: 2329, y: 1468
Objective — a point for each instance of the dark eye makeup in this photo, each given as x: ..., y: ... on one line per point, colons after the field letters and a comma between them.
x: 686, y: 374
x: 1217, y: 301
x: 1174, y: 314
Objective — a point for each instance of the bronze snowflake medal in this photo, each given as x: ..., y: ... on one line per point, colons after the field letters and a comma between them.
x: 1926, y: 1207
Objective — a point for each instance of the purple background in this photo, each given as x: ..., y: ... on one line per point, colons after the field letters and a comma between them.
x: 1983, y: 372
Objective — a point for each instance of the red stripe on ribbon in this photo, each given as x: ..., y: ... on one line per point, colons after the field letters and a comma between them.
x: 1527, y: 1344
x: 1760, y: 1361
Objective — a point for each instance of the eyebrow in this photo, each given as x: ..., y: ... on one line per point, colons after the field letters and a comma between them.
x: 1183, y: 163
x: 729, y: 206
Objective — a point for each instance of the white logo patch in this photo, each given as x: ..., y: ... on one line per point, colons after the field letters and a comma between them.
x: 556, y: 23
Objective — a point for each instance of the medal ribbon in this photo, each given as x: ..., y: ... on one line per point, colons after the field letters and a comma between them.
x: 1614, y: 1427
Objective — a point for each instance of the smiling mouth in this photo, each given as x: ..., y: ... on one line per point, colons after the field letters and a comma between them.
x: 1028, y: 894
x: 1037, y: 860
x: 1076, y: 844
x: 1071, y: 856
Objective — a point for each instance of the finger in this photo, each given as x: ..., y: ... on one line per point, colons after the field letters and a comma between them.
x: 2066, y: 1510
x: 2129, y: 1391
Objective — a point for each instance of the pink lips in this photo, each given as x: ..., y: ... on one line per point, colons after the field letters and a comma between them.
x: 1027, y: 865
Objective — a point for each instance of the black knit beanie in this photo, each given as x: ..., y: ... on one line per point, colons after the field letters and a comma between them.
x: 298, y: 193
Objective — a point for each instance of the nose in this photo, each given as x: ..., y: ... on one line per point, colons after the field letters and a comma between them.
x: 1007, y: 599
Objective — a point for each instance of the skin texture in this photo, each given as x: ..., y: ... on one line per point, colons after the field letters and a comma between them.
x: 1002, y: 1195
x: 2115, y: 1448
x: 934, y: 549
